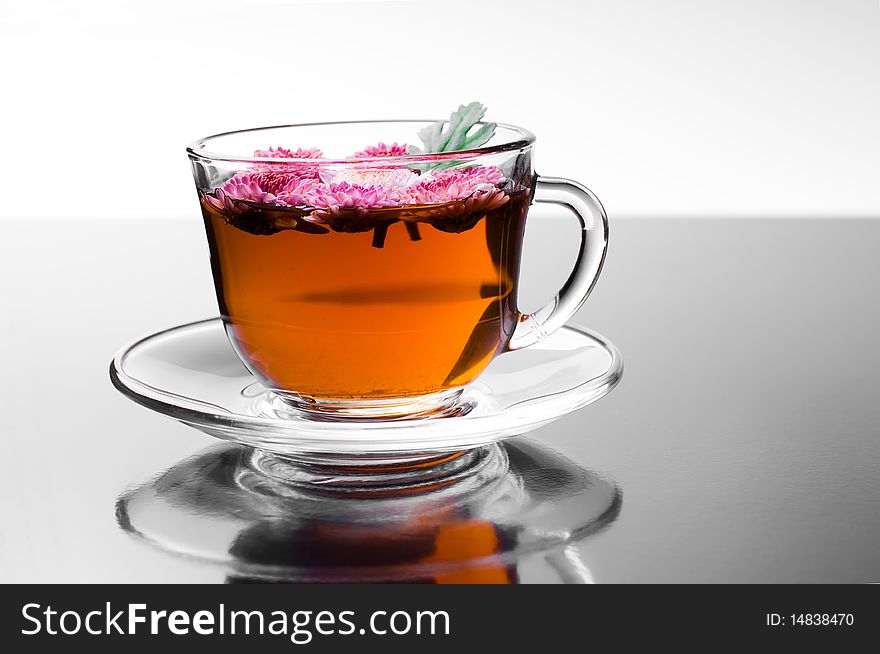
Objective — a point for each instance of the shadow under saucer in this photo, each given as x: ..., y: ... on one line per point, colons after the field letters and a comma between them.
x: 514, y: 502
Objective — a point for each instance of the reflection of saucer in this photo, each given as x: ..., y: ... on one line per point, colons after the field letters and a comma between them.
x: 522, y: 499
x: 191, y: 373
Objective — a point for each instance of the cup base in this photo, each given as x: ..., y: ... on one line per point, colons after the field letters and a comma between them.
x: 434, y: 405
x: 379, y: 474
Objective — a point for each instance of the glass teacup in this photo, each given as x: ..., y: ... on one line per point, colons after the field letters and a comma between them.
x: 377, y: 285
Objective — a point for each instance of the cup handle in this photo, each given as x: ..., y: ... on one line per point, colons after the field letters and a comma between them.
x: 536, y: 326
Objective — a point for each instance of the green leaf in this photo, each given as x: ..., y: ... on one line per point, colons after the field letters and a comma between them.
x: 480, y: 136
x: 454, y: 134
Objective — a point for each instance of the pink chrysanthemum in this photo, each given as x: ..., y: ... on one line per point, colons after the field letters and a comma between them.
x: 346, y: 207
x: 303, y: 170
x: 284, y: 153
x: 272, y: 188
x: 450, y: 185
x: 459, y: 193
x: 476, y: 175
x: 344, y: 195
x: 382, y: 150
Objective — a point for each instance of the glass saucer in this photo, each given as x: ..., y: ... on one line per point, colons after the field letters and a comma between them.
x: 515, y: 517
x: 192, y: 374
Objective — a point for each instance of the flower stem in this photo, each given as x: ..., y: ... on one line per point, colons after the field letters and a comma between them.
x: 380, y: 231
x: 413, y: 230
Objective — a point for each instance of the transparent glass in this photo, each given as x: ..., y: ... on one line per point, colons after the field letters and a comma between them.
x: 192, y: 374
x: 513, y: 514
x: 369, y: 287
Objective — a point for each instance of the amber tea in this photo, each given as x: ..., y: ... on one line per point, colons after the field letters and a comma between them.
x: 386, y: 302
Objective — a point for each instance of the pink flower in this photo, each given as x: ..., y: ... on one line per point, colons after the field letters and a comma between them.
x: 346, y: 207
x: 344, y: 195
x: 284, y: 153
x: 272, y: 188
x: 451, y: 185
x: 382, y: 150
x: 289, y: 167
x: 344, y: 199
x: 476, y: 175
x: 458, y: 194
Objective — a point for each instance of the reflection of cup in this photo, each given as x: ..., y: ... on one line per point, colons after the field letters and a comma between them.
x: 377, y: 287
x: 514, y: 516
x: 434, y: 548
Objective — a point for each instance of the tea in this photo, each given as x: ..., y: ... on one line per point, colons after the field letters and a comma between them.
x: 383, y: 303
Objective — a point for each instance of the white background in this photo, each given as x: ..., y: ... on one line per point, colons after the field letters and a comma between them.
x: 663, y: 107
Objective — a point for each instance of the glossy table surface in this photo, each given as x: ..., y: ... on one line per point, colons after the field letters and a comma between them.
x: 744, y: 438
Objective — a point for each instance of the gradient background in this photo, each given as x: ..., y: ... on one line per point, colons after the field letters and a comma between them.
x: 669, y: 107
x: 745, y: 431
